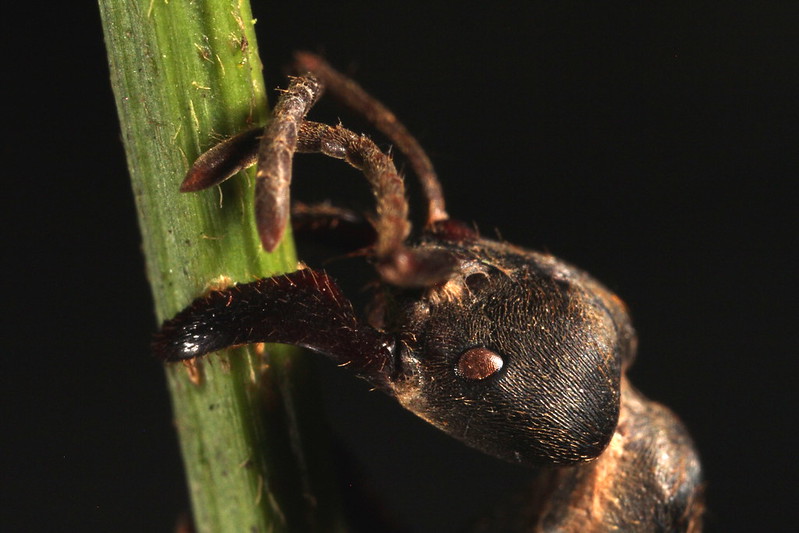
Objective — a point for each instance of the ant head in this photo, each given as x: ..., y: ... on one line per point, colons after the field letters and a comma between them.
x: 518, y: 355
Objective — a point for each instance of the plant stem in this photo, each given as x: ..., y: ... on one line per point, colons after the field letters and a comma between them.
x: 184, y: 75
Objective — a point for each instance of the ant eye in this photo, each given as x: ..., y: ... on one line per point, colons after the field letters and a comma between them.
x: 479, y: 363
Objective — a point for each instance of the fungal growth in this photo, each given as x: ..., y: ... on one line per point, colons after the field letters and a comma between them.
x: 514, y: 352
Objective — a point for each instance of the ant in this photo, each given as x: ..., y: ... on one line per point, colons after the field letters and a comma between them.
x: 514, y: 352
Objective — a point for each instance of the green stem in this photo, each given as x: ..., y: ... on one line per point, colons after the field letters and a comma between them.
x: 184, y: 75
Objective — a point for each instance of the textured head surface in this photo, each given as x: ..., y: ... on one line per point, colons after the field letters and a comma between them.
x: 549, y: 344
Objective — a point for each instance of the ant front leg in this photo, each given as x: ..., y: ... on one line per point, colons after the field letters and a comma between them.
x: 352, y: 95
x: 272, y: 149
x: 275, y: 156
x: 304, y: 308
x: 392, y: 225
x: 397, y: 264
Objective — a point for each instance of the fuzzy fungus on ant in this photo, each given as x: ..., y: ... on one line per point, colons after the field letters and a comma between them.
x: 514, y: 352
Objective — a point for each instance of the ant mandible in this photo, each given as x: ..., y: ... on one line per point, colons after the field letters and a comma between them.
x: 514, y: 352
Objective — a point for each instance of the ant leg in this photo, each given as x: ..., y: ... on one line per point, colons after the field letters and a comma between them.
x: 396, y: 264
x: 353, y: 96
x: 223, y: 161
x: 304, y: 308
x: 275, y: 154
x: 360, y: 152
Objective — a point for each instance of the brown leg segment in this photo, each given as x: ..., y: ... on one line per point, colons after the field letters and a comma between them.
x: 304, y: 308
x: 392, y: 224
x: 223, y: 161
x: 397, y: 264
x: 275, y: 154
x: 353, y: 96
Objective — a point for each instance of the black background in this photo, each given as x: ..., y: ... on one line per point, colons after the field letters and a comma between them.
x: 653, y: 146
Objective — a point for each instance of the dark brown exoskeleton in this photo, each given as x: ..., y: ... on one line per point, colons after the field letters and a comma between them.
x: 514, y: 352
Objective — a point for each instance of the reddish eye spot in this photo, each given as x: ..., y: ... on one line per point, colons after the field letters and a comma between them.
x: 479, y: 363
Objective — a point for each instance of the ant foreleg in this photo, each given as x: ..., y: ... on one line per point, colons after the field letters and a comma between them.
x: 353, y: 96
x: 397, y: 264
